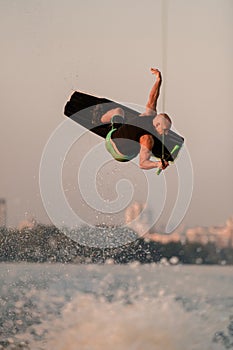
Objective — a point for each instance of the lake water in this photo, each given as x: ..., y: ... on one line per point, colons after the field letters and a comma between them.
x: 118, y: 307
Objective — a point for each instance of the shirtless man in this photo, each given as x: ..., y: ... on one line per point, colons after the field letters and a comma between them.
x: 140, y: 140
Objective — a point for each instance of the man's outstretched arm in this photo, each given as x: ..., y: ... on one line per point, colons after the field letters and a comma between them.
x: 151, y: 106
x: 154, y: 93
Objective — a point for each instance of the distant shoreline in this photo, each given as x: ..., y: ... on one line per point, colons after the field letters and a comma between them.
x: 46, y: 244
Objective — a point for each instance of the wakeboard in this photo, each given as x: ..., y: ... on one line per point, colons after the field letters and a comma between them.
x: 87, y: 110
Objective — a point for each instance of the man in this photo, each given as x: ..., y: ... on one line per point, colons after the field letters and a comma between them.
x: 143, y: 135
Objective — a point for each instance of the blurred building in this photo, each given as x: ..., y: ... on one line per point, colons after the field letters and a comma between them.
x: 222, y: 236
x: 164, y: 238
x: 137, y: 218
x: 27, y: 223
x: 3, y: 212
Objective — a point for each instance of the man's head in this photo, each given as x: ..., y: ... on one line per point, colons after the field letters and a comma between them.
x: 162, y: 123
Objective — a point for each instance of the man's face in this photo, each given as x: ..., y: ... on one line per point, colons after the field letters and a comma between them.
x: 161, y: 125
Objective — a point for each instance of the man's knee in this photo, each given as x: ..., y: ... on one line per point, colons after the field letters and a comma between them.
x: 119, y: 111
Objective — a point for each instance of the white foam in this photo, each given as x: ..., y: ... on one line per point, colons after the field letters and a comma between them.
x: 88, y: 324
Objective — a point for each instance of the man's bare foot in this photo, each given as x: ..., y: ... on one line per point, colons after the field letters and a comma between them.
x: 156, y: 72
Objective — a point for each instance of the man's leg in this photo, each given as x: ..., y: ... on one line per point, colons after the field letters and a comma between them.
x: 106, y: 118
x: 151, y: 106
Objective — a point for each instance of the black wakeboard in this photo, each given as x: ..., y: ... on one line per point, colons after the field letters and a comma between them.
x: 87, y: 110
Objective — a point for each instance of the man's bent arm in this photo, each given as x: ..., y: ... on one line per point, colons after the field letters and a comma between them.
x: 146, y: 143
x: 145, y: 162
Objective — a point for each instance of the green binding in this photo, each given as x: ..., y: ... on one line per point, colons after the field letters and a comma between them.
x: 112, y: 151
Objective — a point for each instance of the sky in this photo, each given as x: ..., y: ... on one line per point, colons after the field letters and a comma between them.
x: 106, y: 48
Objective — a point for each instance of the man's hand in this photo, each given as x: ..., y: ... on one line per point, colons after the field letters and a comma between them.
x: 156, y: 72
x: 163, y: 165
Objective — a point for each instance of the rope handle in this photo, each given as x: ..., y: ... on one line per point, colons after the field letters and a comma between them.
x: 175, y: 148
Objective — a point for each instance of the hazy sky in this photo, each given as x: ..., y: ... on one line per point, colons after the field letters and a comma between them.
x: 50, y: 48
